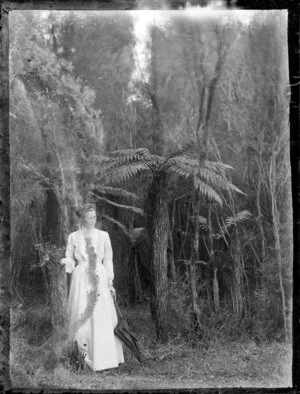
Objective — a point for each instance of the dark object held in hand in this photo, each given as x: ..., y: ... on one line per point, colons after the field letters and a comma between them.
x: 122, y: 331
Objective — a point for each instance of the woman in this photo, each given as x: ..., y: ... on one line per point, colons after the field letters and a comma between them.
x: 92, y: 314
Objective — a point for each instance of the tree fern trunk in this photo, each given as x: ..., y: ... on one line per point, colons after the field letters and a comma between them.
x: 158, y: 226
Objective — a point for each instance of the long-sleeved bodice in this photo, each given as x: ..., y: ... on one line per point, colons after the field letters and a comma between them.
x: 76, y: 251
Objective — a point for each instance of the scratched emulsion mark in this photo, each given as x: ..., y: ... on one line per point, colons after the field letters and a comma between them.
x: 5, y: 382
x: 92, y: 295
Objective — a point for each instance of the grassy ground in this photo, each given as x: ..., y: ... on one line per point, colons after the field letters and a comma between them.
x: 177, y: 364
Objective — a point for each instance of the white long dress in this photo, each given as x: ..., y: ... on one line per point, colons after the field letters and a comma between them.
x: 94, y: 330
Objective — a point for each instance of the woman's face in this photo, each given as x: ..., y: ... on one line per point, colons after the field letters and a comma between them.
x: 89, y: 219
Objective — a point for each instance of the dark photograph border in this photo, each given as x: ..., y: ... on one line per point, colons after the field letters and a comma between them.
x: 294, y: 75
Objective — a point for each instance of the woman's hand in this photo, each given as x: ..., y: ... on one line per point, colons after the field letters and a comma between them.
x: 112, y: 292
x: 62, y: 261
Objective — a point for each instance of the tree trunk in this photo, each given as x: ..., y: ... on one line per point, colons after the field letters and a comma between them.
x: 134, y: 285
x: 137, y: 278
x: 258, y: 205
x: 237, y: 286
x: 171, y: 257
x: 158, y: 229
x: 212, y: 262
x: 196, y: 316
x: 276, y: 234
x: 216, y: 290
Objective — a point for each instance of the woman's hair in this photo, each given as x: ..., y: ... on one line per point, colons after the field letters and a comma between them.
x: 86, y: 208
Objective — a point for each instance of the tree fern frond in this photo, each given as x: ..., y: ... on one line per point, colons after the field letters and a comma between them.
x: 187, y: 167
x: 30, y: 193
x: 113, y: 191
x: 207, y: 191
x: 232, y: 221
x: 101, y: 160
x: 218, y: 180
x: 188, y: 146
x: 203, y: 224
x: 136, y: 210
x: 29, y: 170
x: 122, y: 173
x: 217, y: 166
x: 117, y: 223
x: 237, y: 218
x: 185, y: 162
x: 130, y: 154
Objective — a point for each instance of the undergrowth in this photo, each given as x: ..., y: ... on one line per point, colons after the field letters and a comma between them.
x: 219, y: 356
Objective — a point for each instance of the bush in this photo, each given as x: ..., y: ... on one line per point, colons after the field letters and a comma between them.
x: 266, y: 319
x: 180, y: 313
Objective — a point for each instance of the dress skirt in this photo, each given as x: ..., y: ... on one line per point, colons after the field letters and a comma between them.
x: 92, y: 318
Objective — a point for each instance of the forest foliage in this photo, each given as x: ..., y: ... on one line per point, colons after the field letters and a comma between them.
x: 180, y: 137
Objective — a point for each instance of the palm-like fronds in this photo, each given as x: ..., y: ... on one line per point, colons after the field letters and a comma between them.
x: 209, y: 179
x: 123, y: 164
x: 131, y: 208
x: 113, y: 191
x: 207, y: 191
x: 128, y: 155
x: 122, y: 173
x: 120, y: 225
x: 189, y: 146
x: 33, y: 186
x: 30, y: 193
x: 237, y: 218
x: 228, y: 222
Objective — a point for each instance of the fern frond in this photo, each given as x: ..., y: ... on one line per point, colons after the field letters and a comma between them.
x: 212, y: 173
x: 122, y: 173
x: 136, y: 210
x: 101, y: 160
x: 130, y: 154
x: 28, y: 170
x: 31, y: 193
x: 113, y: 191
x: 217, y: 180
x: 237, y: 218
x: 217, y: 166
x: 117, y: 223
x: 207, y: 191
x: 203, y: 224
x: 188, y: 146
